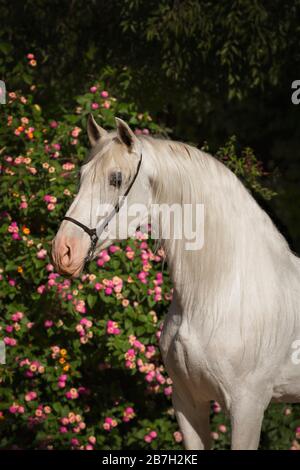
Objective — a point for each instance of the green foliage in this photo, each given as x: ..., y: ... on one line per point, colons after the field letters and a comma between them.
x: 83, y: 366
x: 246, y: 166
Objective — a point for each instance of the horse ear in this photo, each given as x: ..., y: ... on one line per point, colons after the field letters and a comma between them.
x: 125, y: 134
x: 95, y: 132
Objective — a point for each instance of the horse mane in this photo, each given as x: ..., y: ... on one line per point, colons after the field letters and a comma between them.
x: 245, y: 275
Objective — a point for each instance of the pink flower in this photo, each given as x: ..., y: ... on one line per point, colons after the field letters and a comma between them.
x: 72, y: 394
x: 17, y: 316
x: 13, y: 409
x: 13, y: 228
x: 150, y: 376
x: 48, y: 323
x: 41, y: 254
x: 109, y: 423
x: 93, y: 89
x: 112, y: 328
x: 113, y: 248
x: 98, y: 286
x: 128, y: 414
x: 10, y: 341
x: 216, y: 407
x: 53, y: 124
x: 75, y: 132
x: 222, y: 428
x: 104, y: 94
x: 130, y: 354
x: 177, y: 436
x: 30, y: 396
x: 168, y: 391
x: 94, y: 105
x: 68, y: 166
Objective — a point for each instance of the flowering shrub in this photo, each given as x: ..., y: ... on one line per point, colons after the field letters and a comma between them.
x: 83, y: 369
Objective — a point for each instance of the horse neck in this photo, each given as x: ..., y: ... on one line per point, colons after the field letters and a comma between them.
x: 233, y: 225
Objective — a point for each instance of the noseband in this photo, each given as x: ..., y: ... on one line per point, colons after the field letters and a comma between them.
x: 92, y: 232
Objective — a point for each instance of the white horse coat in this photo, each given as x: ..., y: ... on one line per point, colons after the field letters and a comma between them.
x: 235, y: 317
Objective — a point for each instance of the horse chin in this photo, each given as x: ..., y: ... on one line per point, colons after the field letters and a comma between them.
x: 77, y: 273
x: 71, y: 273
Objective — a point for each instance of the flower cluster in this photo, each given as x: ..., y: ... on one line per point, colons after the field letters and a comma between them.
x: 51, y: 201
x: 109, y: 423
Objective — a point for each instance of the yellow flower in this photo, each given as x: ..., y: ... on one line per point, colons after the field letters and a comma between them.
x: 26, y: 230
x: 63, y: 352
x: 66, y: 367
x: 20, y: 269
x: 62, y: 360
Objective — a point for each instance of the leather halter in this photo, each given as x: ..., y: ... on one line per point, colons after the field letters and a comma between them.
x: 92, y: 232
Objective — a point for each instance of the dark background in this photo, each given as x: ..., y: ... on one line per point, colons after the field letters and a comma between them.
x: 206, y: 69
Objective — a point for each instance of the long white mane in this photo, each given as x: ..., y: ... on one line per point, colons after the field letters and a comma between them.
x: 245, y: 275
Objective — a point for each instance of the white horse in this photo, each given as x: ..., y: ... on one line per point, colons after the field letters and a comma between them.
x: 235, y: 317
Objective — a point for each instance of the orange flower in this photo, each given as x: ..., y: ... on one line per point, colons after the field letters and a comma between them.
x: 20, y: 269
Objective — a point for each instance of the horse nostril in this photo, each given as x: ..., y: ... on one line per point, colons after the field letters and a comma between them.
x: 67, y: 254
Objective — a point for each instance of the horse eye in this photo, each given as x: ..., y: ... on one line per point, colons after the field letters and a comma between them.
x: 115, y: 179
